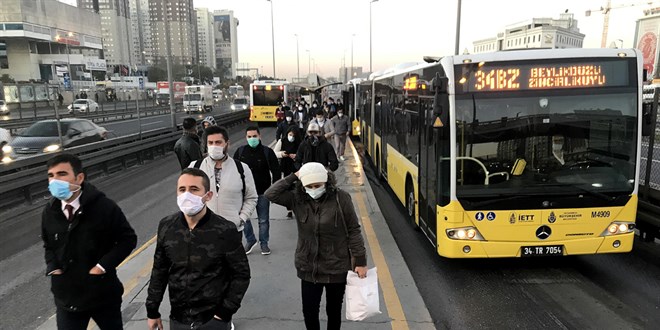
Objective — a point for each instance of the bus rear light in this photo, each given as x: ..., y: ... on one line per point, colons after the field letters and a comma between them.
x: 465, y: 233
x: 618, y: 228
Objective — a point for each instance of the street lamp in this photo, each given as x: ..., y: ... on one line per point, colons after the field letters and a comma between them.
x: 458, y: 27
x: 297, y: 56
x: 370, y: 55
x: 309, y: 56
x: 352, y: 36
x: 272, y: 31
x: 199, y: 71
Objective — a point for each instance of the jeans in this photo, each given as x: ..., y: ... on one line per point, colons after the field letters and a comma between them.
x: 311, y: 300
x: 263, y: 213
x: 106, y: 317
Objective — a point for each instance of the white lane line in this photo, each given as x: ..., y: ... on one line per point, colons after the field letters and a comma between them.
x: 156, y: 122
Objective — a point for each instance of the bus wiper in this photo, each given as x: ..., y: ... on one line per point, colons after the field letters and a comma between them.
x: 497, y: 200
x: 600, y: 195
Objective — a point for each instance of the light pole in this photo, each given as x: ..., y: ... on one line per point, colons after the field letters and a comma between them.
x: 272, y: 31
x: 352, y: 36
x: 314, y: 66
x: 297, y: 56
x: 309, y: 57
x: 458, y: 27
x: 199, y: 71
x: 370, y: 55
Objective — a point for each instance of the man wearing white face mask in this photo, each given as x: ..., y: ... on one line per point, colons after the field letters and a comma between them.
x: 342, y: 126
x: 235, y: 194
x: 200, y: 257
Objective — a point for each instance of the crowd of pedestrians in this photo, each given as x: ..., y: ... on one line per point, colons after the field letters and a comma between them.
x: 201, y: 255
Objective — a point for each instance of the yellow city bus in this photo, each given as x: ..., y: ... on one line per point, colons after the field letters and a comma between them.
x: 512, y: 154
x: 265, y: 96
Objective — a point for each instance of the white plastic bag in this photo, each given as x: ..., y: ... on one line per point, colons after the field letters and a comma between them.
x: 362, y: 300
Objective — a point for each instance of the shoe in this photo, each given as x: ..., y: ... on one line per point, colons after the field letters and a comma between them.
x: 342, y: 158
x: 231, y: 326
x: 289, y: 215
x: 249, y: 247
x: 265, y: 250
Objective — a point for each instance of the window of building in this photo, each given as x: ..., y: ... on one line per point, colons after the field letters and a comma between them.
x: 4, y: 60
x: 13, y: 26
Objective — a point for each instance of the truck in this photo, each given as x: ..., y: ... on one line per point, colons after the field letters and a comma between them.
x: 198, y: 98
x: 163, y: 92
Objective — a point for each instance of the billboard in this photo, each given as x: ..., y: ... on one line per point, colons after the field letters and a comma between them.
x: 646, y: 40
x: 222, y: 27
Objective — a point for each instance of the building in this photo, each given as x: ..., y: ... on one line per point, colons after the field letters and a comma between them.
x: 347, y: 73
x: 45, y: 41
x: 226, y: 43
x: 535, y: 33
x: 205, y: 37
x: 142, y: 50
x: 182, y: 20
x: 117, y: 35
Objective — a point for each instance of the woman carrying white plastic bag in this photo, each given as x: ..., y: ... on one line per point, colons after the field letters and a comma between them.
x: 362, y: 299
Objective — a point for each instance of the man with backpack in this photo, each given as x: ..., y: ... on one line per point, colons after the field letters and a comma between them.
x: 234, y: 193
x: 265, y: 170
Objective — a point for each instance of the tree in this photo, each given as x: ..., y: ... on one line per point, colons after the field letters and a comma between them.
x: 7, y: 79
x: 155, y: 73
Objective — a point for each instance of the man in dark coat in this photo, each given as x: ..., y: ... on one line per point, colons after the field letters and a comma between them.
x: 187, y: 148
x: 86, y: 237
x: 317, y: 149
x: 283, y: 126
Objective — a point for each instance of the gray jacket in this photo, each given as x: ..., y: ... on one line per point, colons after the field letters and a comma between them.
x: 342, y: 125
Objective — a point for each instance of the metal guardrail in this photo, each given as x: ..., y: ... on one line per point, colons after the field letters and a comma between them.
x: 648, y: 213
x: 24, y: 181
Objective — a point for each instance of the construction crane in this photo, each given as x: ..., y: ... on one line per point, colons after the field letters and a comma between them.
x: 606, y: 12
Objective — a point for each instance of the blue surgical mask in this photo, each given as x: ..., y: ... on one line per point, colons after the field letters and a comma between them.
x: 315, y: 193
x: 253, y: 142
x: 60, y: 189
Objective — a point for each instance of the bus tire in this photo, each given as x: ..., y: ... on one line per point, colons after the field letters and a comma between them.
x: 410, y: 202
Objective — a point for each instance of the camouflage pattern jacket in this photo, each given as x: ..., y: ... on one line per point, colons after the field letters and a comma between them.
x: 205, y: 268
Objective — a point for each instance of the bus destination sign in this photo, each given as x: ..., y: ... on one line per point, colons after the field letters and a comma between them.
x: 515, y: 77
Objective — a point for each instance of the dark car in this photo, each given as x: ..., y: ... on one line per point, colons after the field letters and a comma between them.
x: 43, y: 137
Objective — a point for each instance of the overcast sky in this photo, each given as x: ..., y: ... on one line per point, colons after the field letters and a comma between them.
x: 403, y: 30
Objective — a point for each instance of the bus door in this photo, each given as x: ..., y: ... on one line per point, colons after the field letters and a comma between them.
x: 427, y: 168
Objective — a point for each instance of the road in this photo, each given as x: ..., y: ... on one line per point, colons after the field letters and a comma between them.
x: 617, y: 291
x: 29, y: 112
x: 137, y: 191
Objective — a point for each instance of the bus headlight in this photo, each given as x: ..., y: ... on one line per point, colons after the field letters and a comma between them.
x: 618, y: 228
x: 233, y: 107
x: 464, y: 233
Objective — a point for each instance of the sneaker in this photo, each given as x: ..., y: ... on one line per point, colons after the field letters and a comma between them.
x: 265, y: 250
x: 342, y: 158
x: 289, y: 215
x: 232, y: 326
x: 249, y: 247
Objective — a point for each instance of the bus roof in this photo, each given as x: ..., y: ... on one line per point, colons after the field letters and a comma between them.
x: 270, y: 82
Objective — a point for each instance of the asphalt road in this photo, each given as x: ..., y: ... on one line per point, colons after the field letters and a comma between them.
x: 25, y: 298
x: 616, y: 291
x: 29, y: 112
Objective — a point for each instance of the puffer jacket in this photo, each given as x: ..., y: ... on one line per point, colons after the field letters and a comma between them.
x: 205, y: 268
x: 328, y: 230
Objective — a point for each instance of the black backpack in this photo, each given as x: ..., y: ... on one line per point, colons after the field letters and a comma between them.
x: 239, y: 167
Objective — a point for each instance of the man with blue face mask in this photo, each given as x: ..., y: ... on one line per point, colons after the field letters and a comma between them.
x: 86, y: 236
x: 265, y: 170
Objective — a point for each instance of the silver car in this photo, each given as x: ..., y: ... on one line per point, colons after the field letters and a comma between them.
x: 83, y: 106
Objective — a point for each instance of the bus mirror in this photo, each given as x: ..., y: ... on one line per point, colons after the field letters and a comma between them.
x: 645, y: 75
x: 440, y: 86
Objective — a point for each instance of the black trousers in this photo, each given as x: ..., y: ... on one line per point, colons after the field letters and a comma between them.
x: 106, y: 317
x: 311, y: 300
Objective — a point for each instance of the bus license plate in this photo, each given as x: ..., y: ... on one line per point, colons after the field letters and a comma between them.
x: 546, y: 250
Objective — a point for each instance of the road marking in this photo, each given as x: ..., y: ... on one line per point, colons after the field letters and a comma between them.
x: 392, y: 301
x: 156, y: 122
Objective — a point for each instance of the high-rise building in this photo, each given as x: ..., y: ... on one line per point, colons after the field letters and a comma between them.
x: 226, y: 43
x: 535, y: 33
x: 141, y: 29
x: 182, y: 20
x: 115, y: 28
x: 205, y: 37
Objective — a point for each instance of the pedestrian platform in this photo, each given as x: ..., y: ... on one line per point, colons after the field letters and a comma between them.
x: 273, y: 299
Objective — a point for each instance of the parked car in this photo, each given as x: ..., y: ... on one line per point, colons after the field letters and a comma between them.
x: 83, y: 105
x: 5, y: 138
x: 239, y: 103
x: 43, y: 137
x: 4, y: 109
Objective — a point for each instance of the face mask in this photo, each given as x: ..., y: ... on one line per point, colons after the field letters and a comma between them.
x: 556, y: 147
x: 253, y: 142
x: 216, y: 152
x: 315, y: 193
x: 190, y: 204
x: 314, y: 105
x: 289, y: 118
x: 340, y: 114
x: 60, y: 189
x: 314, y: 140
x: 300, y: 108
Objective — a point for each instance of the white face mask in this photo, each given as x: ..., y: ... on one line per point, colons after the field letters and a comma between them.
x: 300, y: 108
x: 340, y: 114
x: 289, y: 118
x: 290, y: 138
x: 556, y: 147
x: 216, y: 152
x: 315, y: 193
x: 190, y: 204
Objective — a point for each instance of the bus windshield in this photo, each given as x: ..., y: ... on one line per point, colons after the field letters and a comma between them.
x: 267, y: 97
x: 544, y: 143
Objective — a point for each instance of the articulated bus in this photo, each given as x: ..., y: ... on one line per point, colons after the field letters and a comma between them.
x: 265, y: 96
x: 511, y: 154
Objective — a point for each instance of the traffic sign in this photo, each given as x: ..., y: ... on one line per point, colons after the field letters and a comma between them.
x: 141, y: 83
x: 67, y: 81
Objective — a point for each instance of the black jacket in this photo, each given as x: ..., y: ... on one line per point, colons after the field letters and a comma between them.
x: 98, y: 234
x: 328, y: 230
x: 261, y: 167
x: 206, y: 269
x: 323, y: 153
x: 187, y: 149
x: 283, y: 128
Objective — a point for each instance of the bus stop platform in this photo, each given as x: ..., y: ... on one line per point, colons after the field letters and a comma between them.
x: 273, y: 299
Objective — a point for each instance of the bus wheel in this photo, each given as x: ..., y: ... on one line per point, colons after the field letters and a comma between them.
x: 410, y: 203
